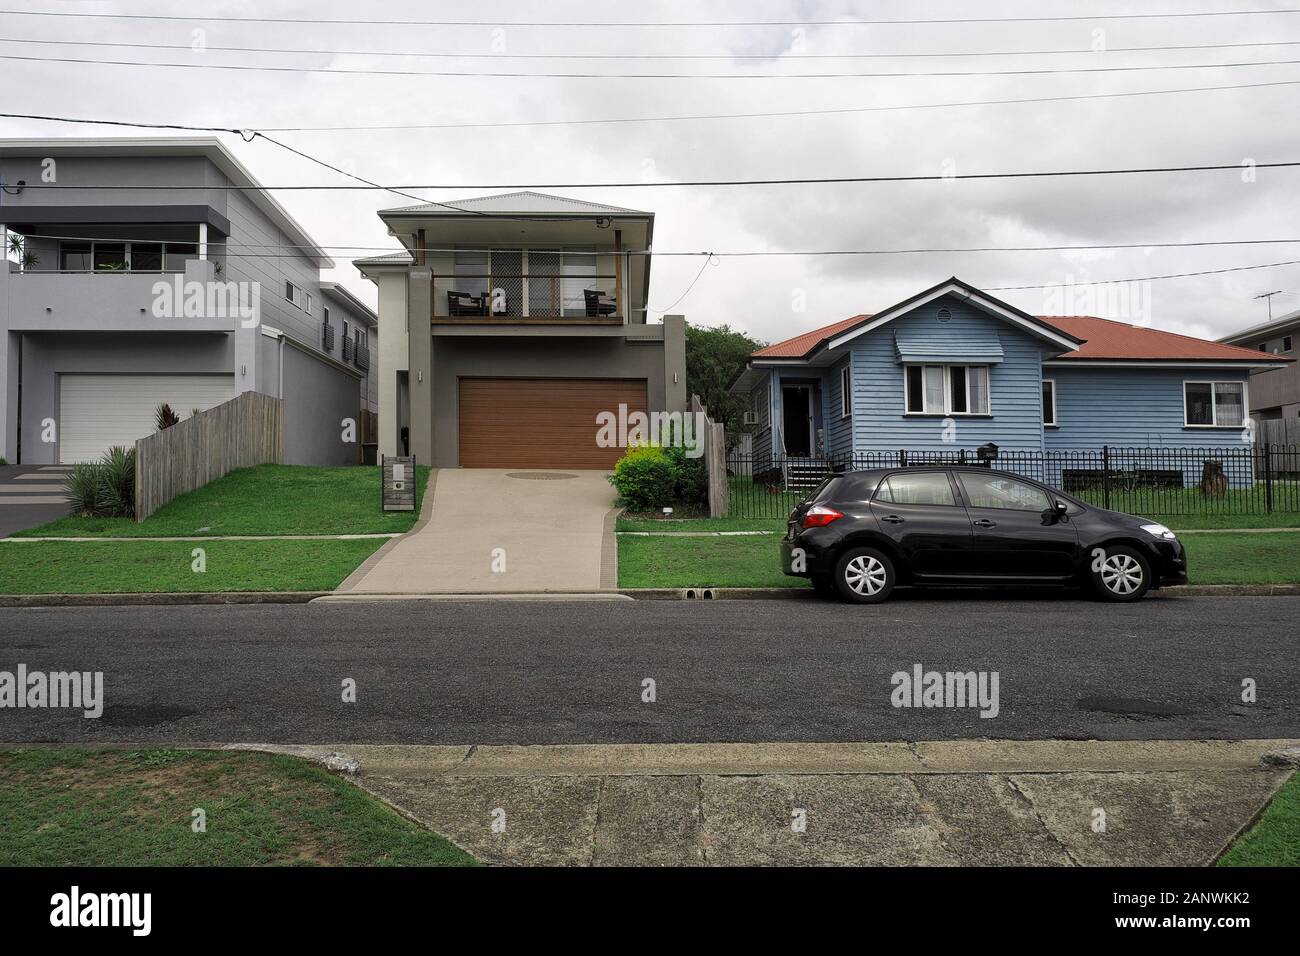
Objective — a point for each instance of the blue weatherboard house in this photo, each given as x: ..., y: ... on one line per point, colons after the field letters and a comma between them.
x: 953, y: 370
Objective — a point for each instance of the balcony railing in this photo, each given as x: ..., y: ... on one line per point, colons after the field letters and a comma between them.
x: 327, y: 336
x: 522, y: 296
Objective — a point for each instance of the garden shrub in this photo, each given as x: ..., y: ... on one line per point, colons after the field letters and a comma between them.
x: 103, y: 489
x: 645, y: 478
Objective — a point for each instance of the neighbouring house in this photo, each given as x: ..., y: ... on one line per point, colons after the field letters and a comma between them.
x: 509, y: 323
x: 134, y: 268
x: 1274, y: 392
x: 952, y: 369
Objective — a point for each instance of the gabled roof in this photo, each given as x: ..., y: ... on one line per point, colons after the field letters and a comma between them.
x: 1106, y: 339
x: 802, y: 345
x: 387, y: 259
x: 340, y: 294
x: 525, y: 203
x: 1266, y: 329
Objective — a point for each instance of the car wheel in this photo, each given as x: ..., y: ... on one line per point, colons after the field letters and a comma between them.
x: 864, y: 576
x: 1121, y: 574
x: 824, y: 586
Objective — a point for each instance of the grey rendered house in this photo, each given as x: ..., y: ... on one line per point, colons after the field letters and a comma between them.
x: 143, y: 271
x: 508, y: 323
x: 1274, y: 393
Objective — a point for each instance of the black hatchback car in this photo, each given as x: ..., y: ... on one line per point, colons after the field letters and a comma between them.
x: 861, y: 533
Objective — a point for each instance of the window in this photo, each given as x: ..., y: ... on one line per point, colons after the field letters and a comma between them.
x: 998, y: 491
x: 176, y: 253
x: 923, y: 488
x: 109, y: 257
x: 947, y: 389
x: 1214, y: 404
x: 325, y: 313
x: 300, y: 298
x: 1286, y: 343
x: 846, y: 393
x: 147, y: 257
x: 1049, y: 402
x: 74, y: 256
x: 1263, y: 346
x: 96, y: 256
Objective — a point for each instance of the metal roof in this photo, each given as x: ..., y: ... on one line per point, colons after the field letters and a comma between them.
x: 525, y: 202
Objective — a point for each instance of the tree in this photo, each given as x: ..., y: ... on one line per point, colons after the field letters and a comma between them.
x: 714, y: 357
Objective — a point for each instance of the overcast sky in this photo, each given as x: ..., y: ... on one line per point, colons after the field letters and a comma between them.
x: 770, y: 298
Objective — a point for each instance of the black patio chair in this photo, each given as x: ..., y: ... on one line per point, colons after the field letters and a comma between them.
x: 598, y: 303
x: 462, y: 303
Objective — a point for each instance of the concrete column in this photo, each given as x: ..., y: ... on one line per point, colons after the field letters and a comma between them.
x: 9, y: 345
x: 203, y: 240
x: 675, y: 394
x: 419, y: 301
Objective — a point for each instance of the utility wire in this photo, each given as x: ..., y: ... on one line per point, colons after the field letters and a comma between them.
x: 421, y: 54
x: 657, y: 23
x: 1174, y: 275
x: 771, y: 114
x: 340, y: 71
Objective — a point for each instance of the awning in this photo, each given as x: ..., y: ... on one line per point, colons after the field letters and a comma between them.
x: 958, y: 347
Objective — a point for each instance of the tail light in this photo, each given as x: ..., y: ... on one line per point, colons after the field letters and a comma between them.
x: 819, y: 516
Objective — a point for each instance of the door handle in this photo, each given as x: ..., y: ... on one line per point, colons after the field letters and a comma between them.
x: 892, y: 519
x: 985, y: 523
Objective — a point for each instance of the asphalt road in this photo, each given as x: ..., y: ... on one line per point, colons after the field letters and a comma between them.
x: 496, y: 673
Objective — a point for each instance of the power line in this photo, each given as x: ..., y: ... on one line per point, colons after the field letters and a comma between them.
x: 1174, y: 275
x: 421, y: 54
x: 769, y: 114
x: 341, y: 71
x: 655, y: 23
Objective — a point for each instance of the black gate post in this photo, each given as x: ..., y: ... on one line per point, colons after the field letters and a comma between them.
x: 1268, y: 477
x: 1105, y: 476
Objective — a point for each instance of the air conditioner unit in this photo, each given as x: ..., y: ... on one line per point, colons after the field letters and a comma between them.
x: 751, y: 418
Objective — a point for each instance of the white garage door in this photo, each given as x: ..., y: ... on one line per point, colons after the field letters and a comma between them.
x: 97, y: 412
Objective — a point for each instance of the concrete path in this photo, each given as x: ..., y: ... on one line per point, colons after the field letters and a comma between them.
x: 963, y: 802
x: 492, y: 531
x: 30, y: 495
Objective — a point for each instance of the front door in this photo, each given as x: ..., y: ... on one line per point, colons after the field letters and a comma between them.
x: 1017, y: 534
x: 797, y: 420
x: 920, y: 512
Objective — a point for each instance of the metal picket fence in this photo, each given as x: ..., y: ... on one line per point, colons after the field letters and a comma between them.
x: 1248, y: 479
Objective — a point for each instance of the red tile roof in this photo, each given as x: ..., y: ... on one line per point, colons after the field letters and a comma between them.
x: 1104, y: 339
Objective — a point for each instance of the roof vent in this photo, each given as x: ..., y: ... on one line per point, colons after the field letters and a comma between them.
x: 943, y: 315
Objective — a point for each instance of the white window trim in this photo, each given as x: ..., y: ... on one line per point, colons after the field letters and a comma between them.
x: 306, y: 307
x: 947, y: 390
x: 846, y: 391
x: 1214, y: 405
x: 1055, y: 422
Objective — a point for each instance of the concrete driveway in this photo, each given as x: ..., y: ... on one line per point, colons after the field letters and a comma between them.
x: 497, y: 531
x: 30, y: 495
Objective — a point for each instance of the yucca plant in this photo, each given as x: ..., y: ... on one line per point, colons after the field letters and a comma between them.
x: 165, y: 417
x: 81, y: 488
x: 117, y: 483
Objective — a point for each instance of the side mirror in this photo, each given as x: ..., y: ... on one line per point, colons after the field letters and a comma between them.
x: 1060, y: 511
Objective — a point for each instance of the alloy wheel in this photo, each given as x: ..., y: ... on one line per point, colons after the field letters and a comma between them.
x: 1121, y: 574
x: 865, y: 575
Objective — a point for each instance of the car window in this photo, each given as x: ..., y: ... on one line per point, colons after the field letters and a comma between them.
x: 999, y: 491
x: 930, y: 488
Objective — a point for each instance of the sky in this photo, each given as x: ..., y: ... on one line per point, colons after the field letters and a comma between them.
x: 774, y: 297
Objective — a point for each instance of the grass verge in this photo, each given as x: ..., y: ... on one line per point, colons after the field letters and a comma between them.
x: 94, y: 567
x: 1275, y: 839
x: 86, y: 807
x: 267, y: 499
x: 673, y: 562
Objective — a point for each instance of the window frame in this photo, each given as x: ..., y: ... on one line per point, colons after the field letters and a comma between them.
x: 1214, y: 403
x: 846, y: 391
x: 947, y: 411
x: 1003, y: 476
x: 1286, y: 343
x: 1055, y: 422
x: 954, y: 490
x: 305, y: 305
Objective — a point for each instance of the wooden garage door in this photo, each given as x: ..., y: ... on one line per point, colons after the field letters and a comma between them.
x: 541, y: 422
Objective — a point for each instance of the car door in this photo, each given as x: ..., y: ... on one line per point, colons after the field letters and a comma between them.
x: 920, y: 512
x: 1017, y: 533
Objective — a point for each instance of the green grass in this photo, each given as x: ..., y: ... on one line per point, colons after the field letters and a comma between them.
x: 1277, y: 519
x: 93, y: 567
x: 85, y: 807
x: 701, y: 524
x: 671, y: 562
x: 268, y: 499
x: 1275, y: 839
x: 701, y: 562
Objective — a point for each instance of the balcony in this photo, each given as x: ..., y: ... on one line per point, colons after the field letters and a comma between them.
x: 115, y: 301
x: 528, y: 298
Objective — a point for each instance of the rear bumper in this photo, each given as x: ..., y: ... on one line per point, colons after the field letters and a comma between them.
x: 804, y: 556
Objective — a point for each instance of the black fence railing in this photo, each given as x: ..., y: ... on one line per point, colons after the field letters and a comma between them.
x: 1249, y: 479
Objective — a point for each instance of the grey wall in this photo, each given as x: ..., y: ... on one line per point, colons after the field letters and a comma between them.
x: 47, y: 354
x: 317, y: 397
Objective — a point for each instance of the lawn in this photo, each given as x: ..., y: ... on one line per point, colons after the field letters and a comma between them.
x: 93, y: 567
x: 1275, y: 839
x: 670, y: 562
x: 267, y: 499
x: 85, y: 807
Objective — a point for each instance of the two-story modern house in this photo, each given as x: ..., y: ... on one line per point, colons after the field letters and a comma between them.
x: 509, y: 323
x: 953, y: 368
x: 151, y: 271
x: 1274, y: 393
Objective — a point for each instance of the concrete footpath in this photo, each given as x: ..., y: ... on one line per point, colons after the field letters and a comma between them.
x: 962, y: 803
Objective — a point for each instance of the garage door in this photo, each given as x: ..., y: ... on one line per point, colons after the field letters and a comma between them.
x: 541, y: 422
x: 97, y: 412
